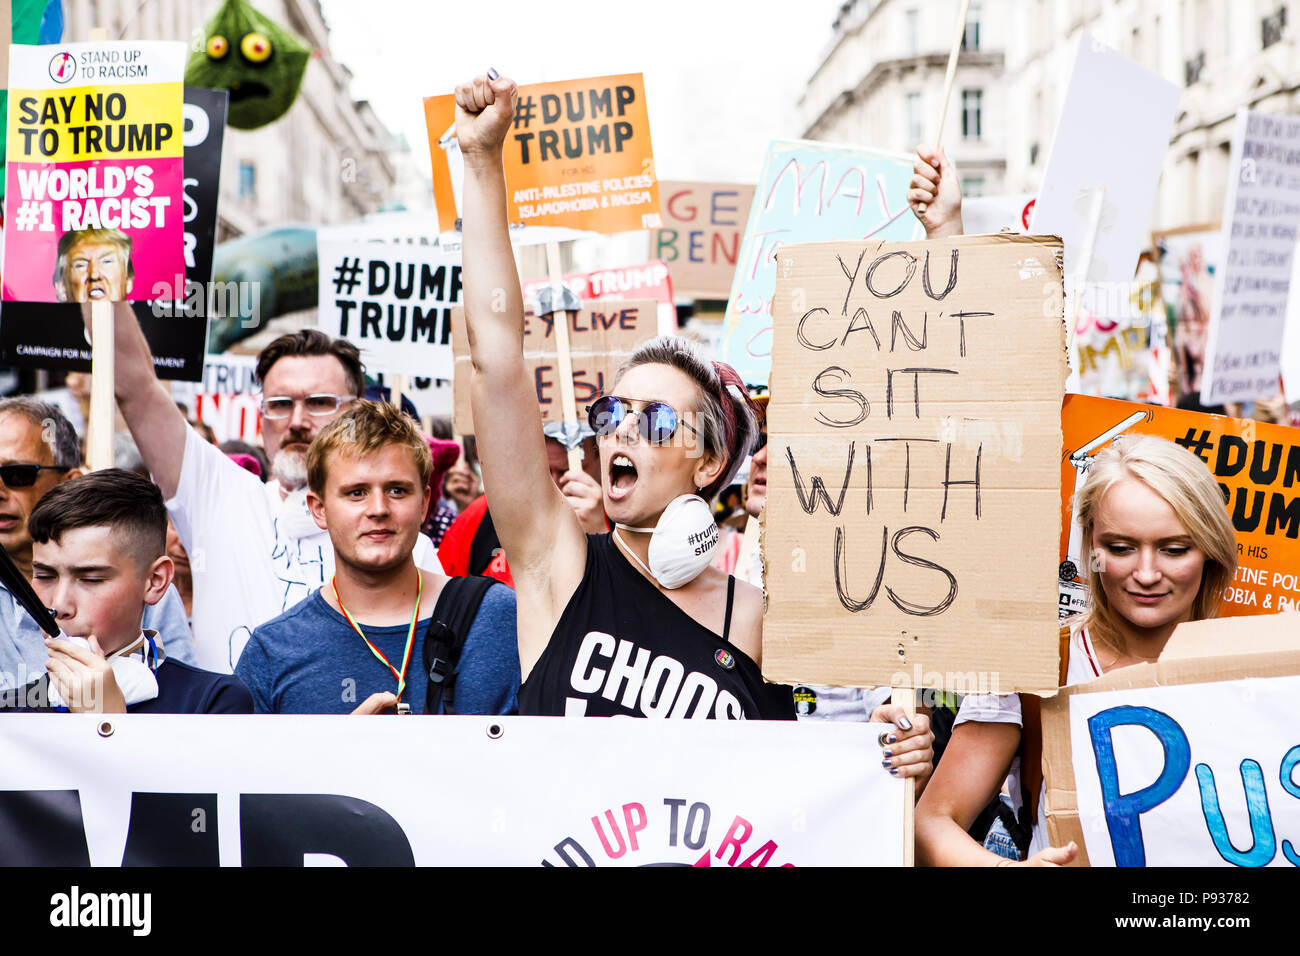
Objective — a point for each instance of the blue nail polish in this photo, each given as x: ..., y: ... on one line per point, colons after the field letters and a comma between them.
x: 893, y: 738
x: 889, y: 753
x: 492, y: 74
x: 886, y: 764
x: 904, y: 723
x: 893, y: 773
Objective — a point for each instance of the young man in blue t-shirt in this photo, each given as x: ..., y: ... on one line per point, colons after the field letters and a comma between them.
x: 98, y: 558
x: 356, y: 644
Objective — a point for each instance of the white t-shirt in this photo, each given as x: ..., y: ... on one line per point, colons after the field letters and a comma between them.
x: 254, y: 554
x: 1081, y: 667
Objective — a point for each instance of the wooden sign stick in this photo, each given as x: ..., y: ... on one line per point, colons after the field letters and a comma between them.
x: 947, y: 82
x: 563, y: 360
x: 905, y: 697
x: 103, y: 407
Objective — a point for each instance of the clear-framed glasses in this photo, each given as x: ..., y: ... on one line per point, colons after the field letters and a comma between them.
x: 322, y: 403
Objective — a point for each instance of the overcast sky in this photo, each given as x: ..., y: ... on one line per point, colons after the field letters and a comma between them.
x: 722, y: 77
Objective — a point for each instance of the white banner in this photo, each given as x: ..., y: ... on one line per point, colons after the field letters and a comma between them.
x: 1261, y: 219
x: 1189, y: 775
x: 443, y: 791
x: 391, y: 301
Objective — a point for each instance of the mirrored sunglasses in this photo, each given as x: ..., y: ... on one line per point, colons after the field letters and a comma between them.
x: 656, y: 421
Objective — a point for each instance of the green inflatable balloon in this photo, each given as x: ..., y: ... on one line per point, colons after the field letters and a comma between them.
x: 260, y: 62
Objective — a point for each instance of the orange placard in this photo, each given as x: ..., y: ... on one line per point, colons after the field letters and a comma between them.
x: 578, y: 156
x: 1256, y: 465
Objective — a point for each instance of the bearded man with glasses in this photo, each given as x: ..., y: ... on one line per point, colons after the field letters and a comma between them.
x: 254, y: 548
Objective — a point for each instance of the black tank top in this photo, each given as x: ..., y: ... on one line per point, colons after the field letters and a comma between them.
x: 621, y: 648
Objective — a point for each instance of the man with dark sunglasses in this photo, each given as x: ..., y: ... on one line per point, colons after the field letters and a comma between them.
x: 39, y: 450
x: 258, y: 547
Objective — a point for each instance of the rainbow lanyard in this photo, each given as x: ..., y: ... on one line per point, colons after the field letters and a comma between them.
x: 410, y: 634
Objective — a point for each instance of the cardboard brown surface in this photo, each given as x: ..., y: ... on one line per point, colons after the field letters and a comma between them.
x: 1199, y: 652
x: 965, y: 601
x: 701, y: 235
x: 601, y: 337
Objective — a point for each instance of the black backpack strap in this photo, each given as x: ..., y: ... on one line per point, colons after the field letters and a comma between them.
x: 453, y: 616
x: 731, y: 594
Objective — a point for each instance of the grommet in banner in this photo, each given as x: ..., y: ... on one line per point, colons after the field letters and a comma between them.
x: 105, y: 728
x: 883, y: 739
x: 495, y: 731
x: 725, y: 660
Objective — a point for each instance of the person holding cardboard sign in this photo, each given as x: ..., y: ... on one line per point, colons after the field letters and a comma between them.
x: 1162, y: 551
x: 633, y: 622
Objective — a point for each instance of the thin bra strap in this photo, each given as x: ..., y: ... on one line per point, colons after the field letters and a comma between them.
x: 731, y: 593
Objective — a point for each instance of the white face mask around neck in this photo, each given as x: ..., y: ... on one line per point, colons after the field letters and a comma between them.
x: 681, y: 542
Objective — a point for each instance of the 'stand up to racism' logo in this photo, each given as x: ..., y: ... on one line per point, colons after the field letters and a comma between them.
x: 63, y: 67
x: 677, y: 832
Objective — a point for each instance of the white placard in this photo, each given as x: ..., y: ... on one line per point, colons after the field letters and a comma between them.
x: 444, y: 791
x: 1115, y: 125
x: 1261, y: 218
x: 392, y: 301
x: 1189, y: 775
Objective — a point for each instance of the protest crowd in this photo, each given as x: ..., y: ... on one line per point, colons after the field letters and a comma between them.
x: 603, y: 527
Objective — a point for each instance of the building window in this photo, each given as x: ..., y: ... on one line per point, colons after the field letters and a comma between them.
x: 970, y: 113
x: 1272, y: 27
x: 1033, y: 154
x: 970, y: 40
x: 914, y: 131
x: 247, y: 181
x: 912, y: 19
x: 1193, y: 68
x: 972, y: 187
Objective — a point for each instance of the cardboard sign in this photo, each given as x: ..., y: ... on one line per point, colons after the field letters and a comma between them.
x: 647, y: 281
x: 577, y: 155
x: 808, y: 192
x: 53, y: 334
x: 94, y: 143
x: 601, y: 337
x: 1261, y: 222
x: 1256, y: 465
x: 1121, y: 150
x: 913, y: 478
x: 1148, y: 765
x: 294, y: 791
x: 700, y: 240
x: 391, y: 301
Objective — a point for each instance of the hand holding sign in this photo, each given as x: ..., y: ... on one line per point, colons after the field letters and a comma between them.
x: 484, y: 109
x: 935, y: 193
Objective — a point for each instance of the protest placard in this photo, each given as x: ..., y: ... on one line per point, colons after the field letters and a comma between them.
x: 988, y: 214
x: 913, y: 481
x: 650, y: 280
x: 808, y: 192
x: 227, y: 398
x: 1119, y: 151
x: 1261, y: 222
x: 1189, y: 258
x: 1256, y: 465
x: 1149, y: 766
x: 52, y: 334
x: 392, y: 301
x: 578, y: 155
x: 700, y: 239
x: 294, y: 791
x: 601, y: 337
x: 93, y: 179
